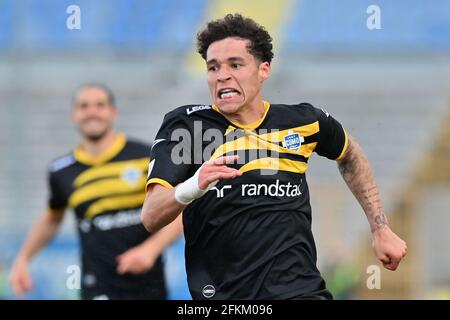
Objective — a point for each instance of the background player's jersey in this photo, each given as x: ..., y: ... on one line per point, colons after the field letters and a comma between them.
x: 106, y: 193
x: 250, y: 237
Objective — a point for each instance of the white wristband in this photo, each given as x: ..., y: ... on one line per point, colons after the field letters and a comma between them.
x: 189, y: 190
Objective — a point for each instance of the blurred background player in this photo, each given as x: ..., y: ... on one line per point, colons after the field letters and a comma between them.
x: 103, y: 180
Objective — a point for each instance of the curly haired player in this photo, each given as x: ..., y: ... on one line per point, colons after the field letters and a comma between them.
x: 247, y: 219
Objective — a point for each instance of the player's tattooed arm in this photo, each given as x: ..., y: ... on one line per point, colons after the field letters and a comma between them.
x: 356, y: 171
x: 389, y: 248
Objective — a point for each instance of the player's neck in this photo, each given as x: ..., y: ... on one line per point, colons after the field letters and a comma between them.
x: 95, y: 148
x: 249, y: 113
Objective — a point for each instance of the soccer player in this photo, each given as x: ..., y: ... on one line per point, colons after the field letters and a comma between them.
x: 247, y: 220
x: 103, y: 180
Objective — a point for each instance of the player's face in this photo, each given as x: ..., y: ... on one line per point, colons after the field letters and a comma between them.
x: 93, y: 113
x: 235, y: 76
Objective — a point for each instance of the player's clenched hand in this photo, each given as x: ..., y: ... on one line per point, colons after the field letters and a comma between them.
x: 136, y: 260
x: 214, y: 170
x: 205, y: 178
x: 388, y: 247
x: 20, y: 278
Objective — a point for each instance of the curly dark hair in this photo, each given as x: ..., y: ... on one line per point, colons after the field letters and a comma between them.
x: 235, y: 25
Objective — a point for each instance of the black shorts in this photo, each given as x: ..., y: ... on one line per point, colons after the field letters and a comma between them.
x: 317, y: 295
x: 137, y: 293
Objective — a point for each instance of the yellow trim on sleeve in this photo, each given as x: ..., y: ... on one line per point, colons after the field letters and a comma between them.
x: 162, y: 182
x: 344, y: 148
x: 56, y: 212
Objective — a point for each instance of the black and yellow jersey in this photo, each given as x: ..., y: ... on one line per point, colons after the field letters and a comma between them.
x: 106, y: 193
x: 249, y: 237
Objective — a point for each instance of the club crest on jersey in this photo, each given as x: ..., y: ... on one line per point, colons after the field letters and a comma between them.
x: 131, y: 175
x: 292, y: 141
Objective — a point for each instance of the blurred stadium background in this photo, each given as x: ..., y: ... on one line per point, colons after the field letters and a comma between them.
x: 389, y: 87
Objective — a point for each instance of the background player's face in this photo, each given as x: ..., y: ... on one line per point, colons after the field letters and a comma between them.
x: 93, y: 113
x: 235, y: 76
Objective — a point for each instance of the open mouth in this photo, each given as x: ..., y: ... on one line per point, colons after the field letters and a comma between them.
x: 227, y: 93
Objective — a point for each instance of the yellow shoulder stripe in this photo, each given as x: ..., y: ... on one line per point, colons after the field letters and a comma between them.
x: 304, y: 131
x: 110, y: 169
x: 103, y: 188
x: 275, y: 164
x: 115, y: 203
x: 269, y: 141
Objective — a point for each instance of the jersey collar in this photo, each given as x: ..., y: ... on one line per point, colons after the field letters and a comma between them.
x: 85, y: 158
x: 251, y: 126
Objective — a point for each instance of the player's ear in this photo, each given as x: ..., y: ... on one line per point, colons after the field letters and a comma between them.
x: 264, y: 70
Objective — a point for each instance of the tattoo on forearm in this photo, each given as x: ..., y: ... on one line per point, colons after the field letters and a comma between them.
x: 381, y: 220
x: 355, y: 170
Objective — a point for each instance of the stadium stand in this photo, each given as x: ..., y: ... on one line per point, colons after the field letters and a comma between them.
x: 389, y: 87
